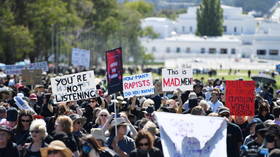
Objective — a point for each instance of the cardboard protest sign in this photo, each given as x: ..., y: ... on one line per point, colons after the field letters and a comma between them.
x: 192, y: 136
x: 73, y: 87
x: 138, y: 85
x: 173, y: 79
x: 114, y: 68
x: 80, y: 57
x: 31, y: 77
x: 240, y: 97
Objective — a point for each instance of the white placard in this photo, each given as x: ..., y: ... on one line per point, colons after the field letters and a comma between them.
x: 80, y: 57
x: 173, y: 79
x: 192, y: 136
x: 138, y: 85
x: 74, y: 87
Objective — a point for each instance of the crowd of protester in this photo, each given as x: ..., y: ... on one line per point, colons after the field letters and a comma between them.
x: 86, y: 128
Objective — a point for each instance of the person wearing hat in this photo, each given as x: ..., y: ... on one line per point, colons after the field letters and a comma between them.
x: 12, y: 118
x: 56, y: 149
x: 78, y: 123
x: 33, y: 102
x: 7, y: 147
x: 121, y: 144
x: 252, y: 128
x: 234, y: 134
x: 190, y: 103
x: 100, y: 137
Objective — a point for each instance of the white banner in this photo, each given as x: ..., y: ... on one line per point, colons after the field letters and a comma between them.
x: 173, y: 79
x: 80, y: 57
x: 192, y: 136
x: 74, y: 87
x: 138, y: 85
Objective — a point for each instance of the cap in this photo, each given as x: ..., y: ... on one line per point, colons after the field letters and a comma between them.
x: 255, y: 121
x: 33, y: 96
x: 5, y: 128
x: 223, y: 110
x: 192, y: 95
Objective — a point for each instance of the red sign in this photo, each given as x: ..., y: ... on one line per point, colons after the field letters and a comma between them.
x: 114, y: 69
x: 240, y: 97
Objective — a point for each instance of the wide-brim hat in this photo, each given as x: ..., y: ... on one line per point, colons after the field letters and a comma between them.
x: 76, y: 117
x: 56, y: 145
x: 119, y: 121
x: 98, y: 134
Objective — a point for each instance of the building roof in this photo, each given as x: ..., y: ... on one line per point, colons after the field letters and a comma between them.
x: 189, y: 37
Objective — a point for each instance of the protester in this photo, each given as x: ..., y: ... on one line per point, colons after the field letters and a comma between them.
x: 64, y: 128
x: 38, y: 133
x: 234, y: 134
x: 214, y: 102
x: 264, y: 112
x: 56, y: 149
x: 21, y: 133
x: 144, y: 146
x: 121, y: 144
x: 7, y: 147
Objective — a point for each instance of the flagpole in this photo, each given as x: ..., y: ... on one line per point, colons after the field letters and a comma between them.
x: 115, y: 110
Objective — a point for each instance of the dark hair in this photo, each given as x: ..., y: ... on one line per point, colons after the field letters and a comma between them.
x: 22, y: 114
x: 276, y: 111
x: 144, y: 134
x: 264, y: 107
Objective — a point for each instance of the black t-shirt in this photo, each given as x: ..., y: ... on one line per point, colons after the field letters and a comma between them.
x: 9, y: 151
x: 234, y: 137
x: 154, y: 152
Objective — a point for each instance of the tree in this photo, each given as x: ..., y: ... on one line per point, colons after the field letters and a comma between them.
x: 210, y: 18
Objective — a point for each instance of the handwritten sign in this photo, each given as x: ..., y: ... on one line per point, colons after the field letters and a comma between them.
x: 192, y: 136
x: 74, y: 87
x: 114, y: 68
x: 240, y: 97
x: 138, y: 85
x: 31, y: 77
x: 173, y: 79
x: 80, y: 57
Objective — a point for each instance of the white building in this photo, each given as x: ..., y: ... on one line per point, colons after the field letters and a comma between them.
x: 244, y: 36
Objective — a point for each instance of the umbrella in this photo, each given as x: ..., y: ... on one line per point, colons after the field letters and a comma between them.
x: 264, y: 79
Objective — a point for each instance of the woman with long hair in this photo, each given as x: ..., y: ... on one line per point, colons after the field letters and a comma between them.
x: 101, y: 119
x: 22, y: 130
x: 144, y: 146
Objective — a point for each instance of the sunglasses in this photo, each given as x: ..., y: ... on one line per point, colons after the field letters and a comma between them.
x: 53, y: 152
x: 27, y: 121
x: 143, y: 144
x: 35, y: 131
x: 103, y: 115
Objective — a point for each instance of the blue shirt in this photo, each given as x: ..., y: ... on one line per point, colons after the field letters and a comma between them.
x: 127, y: 144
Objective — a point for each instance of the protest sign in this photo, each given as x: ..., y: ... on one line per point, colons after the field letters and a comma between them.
x: 138, y: 85
x: 173, y: 79
x: 114, y: 69
x: 240, y: 97
x: 192, y: 136
x: 16, y: 69
x: 278, y: 68
x: 80, y: 57
x: 22, y: 104
x: 73, y: 87
x: 38, y: 66
x: 31, y: 77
